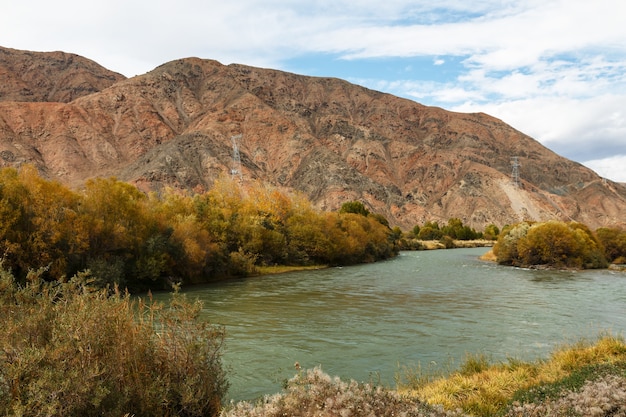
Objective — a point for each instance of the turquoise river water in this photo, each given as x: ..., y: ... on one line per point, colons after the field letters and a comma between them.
x: 430, y: 308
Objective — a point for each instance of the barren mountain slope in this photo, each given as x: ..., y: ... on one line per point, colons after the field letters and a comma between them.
x: 327, y: 138
x: 50, y: 76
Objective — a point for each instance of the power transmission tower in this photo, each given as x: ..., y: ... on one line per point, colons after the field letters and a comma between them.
x: 515, y: 173
x: 236, y: 168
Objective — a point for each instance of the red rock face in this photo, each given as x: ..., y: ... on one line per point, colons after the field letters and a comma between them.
x: 50, y: 76
x: 326, y: 138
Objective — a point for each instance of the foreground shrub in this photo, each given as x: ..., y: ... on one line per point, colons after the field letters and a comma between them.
x: 69, y: 350
x: 603, y: 397
x: 314, y: 393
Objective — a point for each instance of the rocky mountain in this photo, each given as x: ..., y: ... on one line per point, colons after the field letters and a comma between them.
x: 50, y: 76
x: 179, y: 125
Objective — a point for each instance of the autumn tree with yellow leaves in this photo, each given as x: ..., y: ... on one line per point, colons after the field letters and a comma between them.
x: 132, y: 239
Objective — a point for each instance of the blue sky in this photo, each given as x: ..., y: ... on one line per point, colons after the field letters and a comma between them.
x: 554, y: 69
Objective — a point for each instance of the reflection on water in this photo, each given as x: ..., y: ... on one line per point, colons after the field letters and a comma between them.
x: 363, y: 322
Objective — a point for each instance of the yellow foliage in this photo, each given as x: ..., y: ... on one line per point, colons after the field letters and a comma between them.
x: 486, y: 391
x: 128, y: 238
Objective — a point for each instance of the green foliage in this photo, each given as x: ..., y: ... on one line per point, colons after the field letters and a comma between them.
x: 571, y: 382
x: 396, y: 234
x: 447, y: 242
x: 455, y: 229
x: 140, y: 241
x: 552, y: 243
x: 491, y: 232
x: 429, y: 233
x: 67, y: 349
x: 355, y: 207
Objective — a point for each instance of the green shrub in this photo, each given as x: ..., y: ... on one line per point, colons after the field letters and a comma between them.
x: 67, y: 349
x: 429, y: 233
x: 447, y: 242
x: 491, y: 232
x: 355, y: 207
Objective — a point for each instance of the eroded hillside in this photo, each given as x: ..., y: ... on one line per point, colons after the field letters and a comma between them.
x: 324, y: 137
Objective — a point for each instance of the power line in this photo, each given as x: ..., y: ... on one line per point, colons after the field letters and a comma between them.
x: 515, y: 172
x: 236, y: 168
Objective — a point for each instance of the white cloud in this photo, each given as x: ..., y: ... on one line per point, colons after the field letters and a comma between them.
x: 613, y: 167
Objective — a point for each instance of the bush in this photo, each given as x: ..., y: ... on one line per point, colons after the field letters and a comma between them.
x: 603, y: 397
x: 355, y: 207
x: 67, y: 349
x: 552, y: 243
x: 429, y: 233
x: 314, y: 393
x: 614, y: 243
x: 491, y: 232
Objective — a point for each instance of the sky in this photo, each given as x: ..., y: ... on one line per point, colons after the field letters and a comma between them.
x: 553, y: 69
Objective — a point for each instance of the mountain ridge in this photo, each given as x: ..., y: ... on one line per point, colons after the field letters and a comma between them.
x: 324, y: 137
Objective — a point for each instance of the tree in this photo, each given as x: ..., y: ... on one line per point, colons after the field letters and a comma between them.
x: 491, y: 232
x: 355, y: 207
x: 506, y: 249
x: 551, y: 243
x: 41, y: 227
x: 613, y: 242
x: 429, y: 232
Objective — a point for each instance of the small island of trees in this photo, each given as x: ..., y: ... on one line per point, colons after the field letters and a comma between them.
x: 556, y: 244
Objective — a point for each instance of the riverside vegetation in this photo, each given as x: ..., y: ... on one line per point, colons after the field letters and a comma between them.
x: 70, y: 349
x: 556, y: 244
x: 59, y: 357
x: 586, y: 379
x: 139, y: 241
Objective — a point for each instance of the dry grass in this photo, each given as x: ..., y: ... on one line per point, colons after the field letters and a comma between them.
x: 489, y: 256
x: 67, y: 349
x: 280, y: 269
x: 485, y: 391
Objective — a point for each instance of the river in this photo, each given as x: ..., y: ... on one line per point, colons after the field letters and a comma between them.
x: 431, y: 308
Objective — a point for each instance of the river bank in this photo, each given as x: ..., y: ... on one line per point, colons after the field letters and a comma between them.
x: 586, y: 378
x: 421, y: 245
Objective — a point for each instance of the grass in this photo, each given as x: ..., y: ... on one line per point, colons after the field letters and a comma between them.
x: 572, y: 382
x: 482, y: 389
x: 280, y: 269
